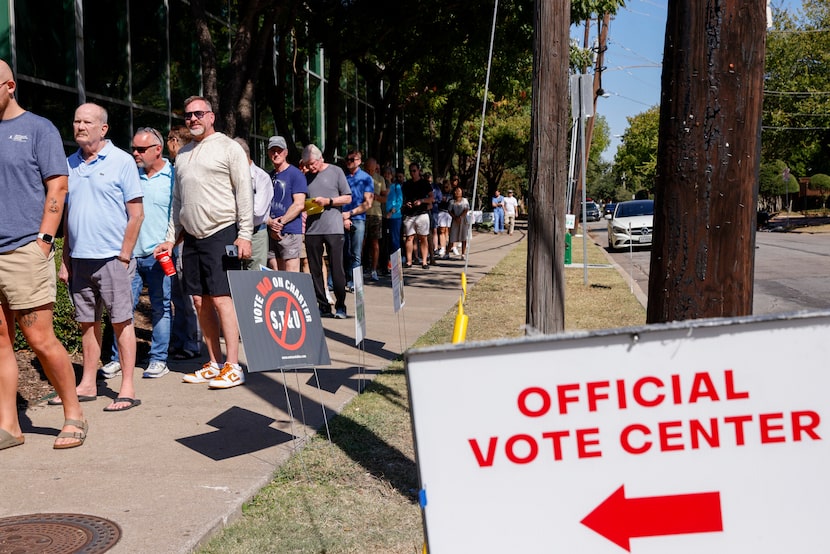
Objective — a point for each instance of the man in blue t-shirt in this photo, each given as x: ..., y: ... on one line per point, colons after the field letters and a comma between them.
x: 285, y: 225
x: 354, y: 213
x: 33, y: 186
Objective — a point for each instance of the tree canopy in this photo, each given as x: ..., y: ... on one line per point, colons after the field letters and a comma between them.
x: 636, y: 160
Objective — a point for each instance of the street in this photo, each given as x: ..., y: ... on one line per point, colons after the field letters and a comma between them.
x: 791, y: 269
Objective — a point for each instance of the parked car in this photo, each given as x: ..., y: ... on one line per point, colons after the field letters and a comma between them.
x: 631, y: 224
x: 591, y: 211
x: 608, y: 209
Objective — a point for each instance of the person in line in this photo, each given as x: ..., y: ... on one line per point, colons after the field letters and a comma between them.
x: 417, y: 201
x: 104, y: 213
x: 511, y: 210
x: 497, y: 202
x: 328, y: 188
x: 287, y: 208
x: 443, y: 221
x: 362, y: 188
x: 437, y: 198
x: 460, y: 228
x: 394, y: 202
x: 156, y: 176
x: 374, y: 218
x: 263, y: 194
x: 213, y: 215
x: 185, y: 335
x: 33, y: 185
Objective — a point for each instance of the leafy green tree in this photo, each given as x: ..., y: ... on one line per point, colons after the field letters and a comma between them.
x: 821, y: 183
x: 796, y: 116
x: 772, y: 187
x: 636, y: 159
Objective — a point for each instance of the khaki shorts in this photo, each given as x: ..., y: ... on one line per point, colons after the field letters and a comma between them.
x: 288, y: 248
x: 416, y: 225
x: 27, y: 277
x: 98, y: 284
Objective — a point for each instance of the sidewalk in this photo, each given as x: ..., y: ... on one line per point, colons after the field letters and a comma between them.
x: 179, y: 467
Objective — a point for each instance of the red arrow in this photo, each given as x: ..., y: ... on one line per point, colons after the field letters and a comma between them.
x: 620, y: 519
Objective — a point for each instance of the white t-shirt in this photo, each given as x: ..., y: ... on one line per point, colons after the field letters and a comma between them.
x: 510, y: 204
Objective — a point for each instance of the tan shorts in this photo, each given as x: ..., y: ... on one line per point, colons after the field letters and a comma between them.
x: 416, y: 225
x: 27, y: 277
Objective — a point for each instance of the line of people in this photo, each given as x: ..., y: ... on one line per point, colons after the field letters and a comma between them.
x: 211, y: 212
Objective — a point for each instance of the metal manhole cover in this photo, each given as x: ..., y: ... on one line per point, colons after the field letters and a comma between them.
x: 57, y: 534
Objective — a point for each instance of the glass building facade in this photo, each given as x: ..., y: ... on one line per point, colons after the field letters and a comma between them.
x: 140, y: 60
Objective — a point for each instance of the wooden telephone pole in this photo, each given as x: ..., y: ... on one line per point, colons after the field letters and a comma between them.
x: 548, y: 167
x: 702, y: 262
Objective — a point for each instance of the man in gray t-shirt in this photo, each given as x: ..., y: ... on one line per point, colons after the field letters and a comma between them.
x: 328, y: 188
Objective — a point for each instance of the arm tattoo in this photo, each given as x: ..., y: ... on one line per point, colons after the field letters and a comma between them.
x: 27, y: 318
x: 53, y: 206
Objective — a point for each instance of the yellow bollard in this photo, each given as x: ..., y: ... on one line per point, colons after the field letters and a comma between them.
x: 459, y: 332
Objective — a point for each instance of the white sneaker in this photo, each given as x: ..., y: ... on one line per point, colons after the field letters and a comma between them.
x: 455, y: 251
x: 110, y: 370
x: 156, y: 370
x: 441, y: 252
x: 208, y: 372
x: 230, y: 376
x: 374, y: 275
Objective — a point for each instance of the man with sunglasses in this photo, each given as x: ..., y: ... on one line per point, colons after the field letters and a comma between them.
x: 354, y: 213
x: 156, y: 176
x: 213, y: 216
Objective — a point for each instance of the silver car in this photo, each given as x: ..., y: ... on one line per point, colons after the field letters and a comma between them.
x: 631, y: 224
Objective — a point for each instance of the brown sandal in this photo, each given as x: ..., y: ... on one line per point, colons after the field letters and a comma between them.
x: 79, y: 435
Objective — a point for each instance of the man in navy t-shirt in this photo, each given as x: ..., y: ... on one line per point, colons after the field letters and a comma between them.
x: 285, y: 226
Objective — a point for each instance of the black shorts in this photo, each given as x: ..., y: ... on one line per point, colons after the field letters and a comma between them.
x: 205, y: 264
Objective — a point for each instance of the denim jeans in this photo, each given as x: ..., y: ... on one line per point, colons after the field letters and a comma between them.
x: 148, y: 271
x: 354, y: 247
x: 184, y: 333
x: 498, y: 220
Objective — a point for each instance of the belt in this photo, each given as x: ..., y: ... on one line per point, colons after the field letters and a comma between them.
x: 260, y: 227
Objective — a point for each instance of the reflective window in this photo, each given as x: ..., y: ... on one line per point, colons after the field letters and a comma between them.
x: 105, y: 48
x: 45, y: 40
x: 148, y: 37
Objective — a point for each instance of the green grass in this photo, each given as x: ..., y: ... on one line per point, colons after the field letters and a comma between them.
x: 358, y: 493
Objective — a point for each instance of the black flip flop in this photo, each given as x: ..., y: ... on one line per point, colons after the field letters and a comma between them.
x: 131, y: 403
x: 81, y: 398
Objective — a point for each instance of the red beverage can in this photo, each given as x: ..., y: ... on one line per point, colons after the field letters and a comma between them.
x: 166, y: 263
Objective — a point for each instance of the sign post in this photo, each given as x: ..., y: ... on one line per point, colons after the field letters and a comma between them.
x: 690, y: 437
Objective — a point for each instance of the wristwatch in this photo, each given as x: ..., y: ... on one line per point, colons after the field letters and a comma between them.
x: 48, y: 239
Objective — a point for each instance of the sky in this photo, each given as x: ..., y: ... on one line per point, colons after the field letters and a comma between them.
x: 633, y: 62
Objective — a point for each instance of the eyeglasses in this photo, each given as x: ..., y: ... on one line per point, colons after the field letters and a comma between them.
x: 352, y: 159
x: 199, y: 114
x: 143, y: 149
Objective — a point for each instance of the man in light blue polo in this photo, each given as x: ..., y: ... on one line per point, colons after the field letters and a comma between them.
x: 156, y: 176
x: 104, y: 212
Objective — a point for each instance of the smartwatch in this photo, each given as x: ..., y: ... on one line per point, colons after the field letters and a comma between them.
x: 47, y: 238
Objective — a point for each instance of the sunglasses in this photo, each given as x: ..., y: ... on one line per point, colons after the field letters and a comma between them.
x: 352, y: 159
x: 198, y: 114
x: 143, y: 149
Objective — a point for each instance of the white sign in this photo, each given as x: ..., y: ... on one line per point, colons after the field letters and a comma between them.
x: 397, y: 281
x: 359, y: 306
x: 570, y: 221
x: 705, y: 436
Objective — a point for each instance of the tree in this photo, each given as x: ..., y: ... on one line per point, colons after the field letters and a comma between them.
x: 821, y: 183
x: 797, y: 76
x: 636, y: 158
x: 772, y: 187
x: 707, y: 161
x: 548, y: 168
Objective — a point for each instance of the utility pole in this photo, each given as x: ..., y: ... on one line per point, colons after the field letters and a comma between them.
x: 548, y: 167
x: 708, y: 157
